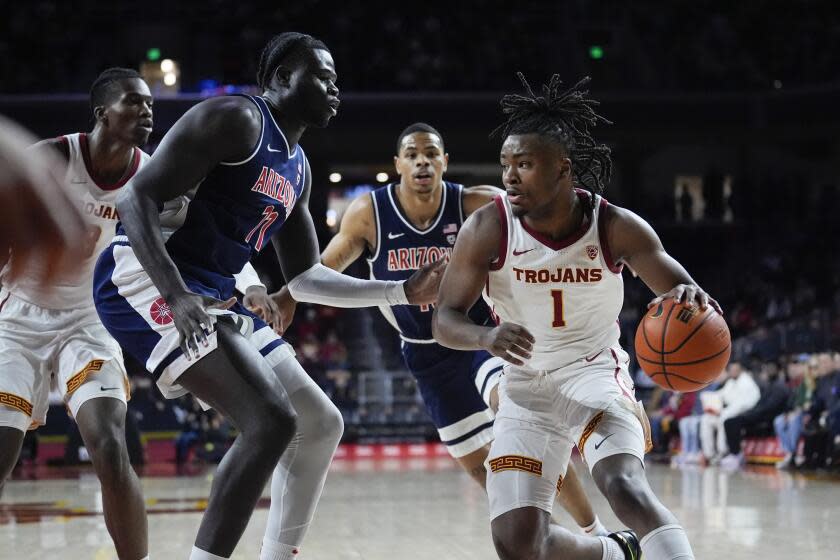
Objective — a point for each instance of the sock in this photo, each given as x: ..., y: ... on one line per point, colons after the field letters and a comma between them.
x: 668, y: 542
x: 273, y: 550
x: 611, y: 549
x: 596, y: 529
x: 198, y: 554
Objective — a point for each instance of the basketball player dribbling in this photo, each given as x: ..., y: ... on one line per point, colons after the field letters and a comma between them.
x: 549, y: 258
x: 169, y: 302
x: 56, y: 337
x: 401, y: 227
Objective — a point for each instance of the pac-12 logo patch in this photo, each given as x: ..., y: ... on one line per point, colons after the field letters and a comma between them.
x: 592, y: 252
x: 160, y: 312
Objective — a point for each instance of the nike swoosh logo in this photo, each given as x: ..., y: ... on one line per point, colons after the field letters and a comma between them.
x: 597, y: 445
x: 588, y: 359
x: 108, y: 388
x: 395, y: 235
x: 270, y: 150
x: 517, y: 253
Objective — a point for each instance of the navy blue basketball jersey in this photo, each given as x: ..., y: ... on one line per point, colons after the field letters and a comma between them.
x: 238, y: 207
x: 401, y: 249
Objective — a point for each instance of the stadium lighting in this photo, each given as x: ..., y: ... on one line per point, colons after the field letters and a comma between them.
x: 382, y: 177
x: 169, y: 79
x: 596, y: 52
x: 167, y: 65
x: 153, y: 54
x: 335, y: 177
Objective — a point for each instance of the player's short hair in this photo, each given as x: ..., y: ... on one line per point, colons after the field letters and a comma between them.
x: 417, y: 127
x: 102, y: 90
x: 564, y: 116
x: 278, y: 48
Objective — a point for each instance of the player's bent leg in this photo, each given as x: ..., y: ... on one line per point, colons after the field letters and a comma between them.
x: 238, y: 382
x: 615, y: 450
x: 526, y: 534
x: 299, y: 477
x: 571, y: 496
x: 101, y: 423
x: 11, y: 440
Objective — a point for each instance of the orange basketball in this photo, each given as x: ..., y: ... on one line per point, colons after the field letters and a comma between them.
x: 682, y: 348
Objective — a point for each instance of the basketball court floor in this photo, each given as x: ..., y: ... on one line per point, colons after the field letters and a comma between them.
x: 425, y: 509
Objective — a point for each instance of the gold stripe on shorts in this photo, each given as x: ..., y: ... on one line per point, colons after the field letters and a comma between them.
x: 79, y: 377
x: 516, y: 463
x: 16, y: 402
x: 560, y: 483
x: 589, y: 430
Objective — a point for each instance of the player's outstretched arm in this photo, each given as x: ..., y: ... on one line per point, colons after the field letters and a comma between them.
x: 476, y: 247
x: 477, y: 196
x: 214, y: 131
x: 309, y: 280
x: 634, y: 242
x: 356, y: 232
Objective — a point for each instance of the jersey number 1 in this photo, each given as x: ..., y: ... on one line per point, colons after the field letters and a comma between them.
x: 269, y: 215
x: 557, y: 296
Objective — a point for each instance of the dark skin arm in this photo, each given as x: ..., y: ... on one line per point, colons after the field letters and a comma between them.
x: 465, y: 277
x: 633, y: 241
x: 216, y: 130
x: 296, y: 243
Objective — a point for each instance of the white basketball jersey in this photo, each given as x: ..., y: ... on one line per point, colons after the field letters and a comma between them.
x: 96, y: 202
x: 567, y: 293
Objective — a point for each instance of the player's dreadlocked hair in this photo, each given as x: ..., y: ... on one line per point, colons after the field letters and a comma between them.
x: 278, y: 48
x: 564, y: 116
x: 102, y: 87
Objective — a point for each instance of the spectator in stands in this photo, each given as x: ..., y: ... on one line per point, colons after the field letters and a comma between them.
x: 788, y: 425
x: 665, y: 421
x: 690, y: 429
x: 739, y: 394
x: 825, y: 401
x: 774, y: 396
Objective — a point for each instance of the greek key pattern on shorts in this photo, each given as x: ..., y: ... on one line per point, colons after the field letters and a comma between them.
x: 17, y: 402
x: 589, y: 430
x: 560, y: 483
x: 78, y: 378
x: 516, y: 463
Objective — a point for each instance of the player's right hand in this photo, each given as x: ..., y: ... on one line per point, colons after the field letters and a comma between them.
x: 194, y: 324
x: 286, y: 306
x: 422, y: 287
x: 509, y: 341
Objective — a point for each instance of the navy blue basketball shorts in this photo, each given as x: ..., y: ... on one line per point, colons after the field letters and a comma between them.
x: 456, y: 386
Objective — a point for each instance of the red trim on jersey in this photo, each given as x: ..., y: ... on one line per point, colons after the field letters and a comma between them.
x: 566, y: 241
x: 602, y: 238
x: 135, y: 163
x: 503, y: 242
x: 617, y: 371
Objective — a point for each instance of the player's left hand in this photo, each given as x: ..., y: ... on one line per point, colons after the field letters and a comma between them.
x: 689, y: 294
x: 422, y: 287
x: 258, y: 302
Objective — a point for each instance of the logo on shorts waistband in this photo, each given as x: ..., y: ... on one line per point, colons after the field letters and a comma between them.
x: 160, y: 312
x: 516, y: 463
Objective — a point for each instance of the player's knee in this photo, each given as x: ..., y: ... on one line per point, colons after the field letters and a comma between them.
x: 276, y: 426
x: 516, y: 536
x: 330, y: 424
x: 108, y: 452
x: 628, y: 492
x: 516, y: 546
